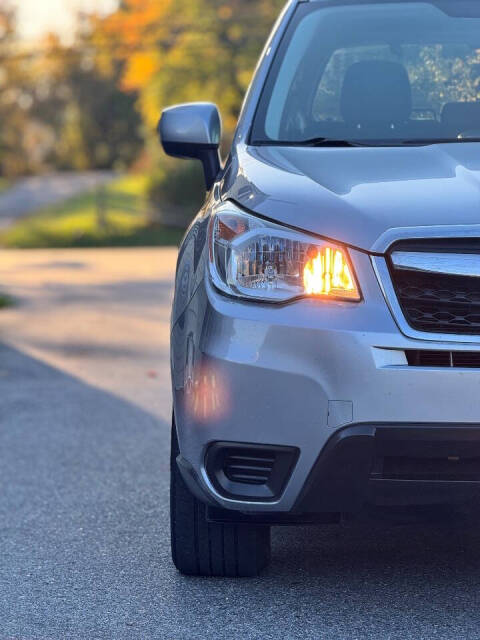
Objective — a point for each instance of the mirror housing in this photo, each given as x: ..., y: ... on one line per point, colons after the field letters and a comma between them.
x: 193, y: 131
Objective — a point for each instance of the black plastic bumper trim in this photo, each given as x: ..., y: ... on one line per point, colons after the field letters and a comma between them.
x: 191, y: 480
x: 224, y: 516
x: 350, y: 471
x: 250, y: 472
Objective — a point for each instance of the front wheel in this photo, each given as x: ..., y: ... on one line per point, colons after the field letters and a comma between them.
x: 202, y: 548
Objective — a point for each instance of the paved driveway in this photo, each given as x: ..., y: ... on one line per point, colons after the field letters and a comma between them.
x: 84, y: 436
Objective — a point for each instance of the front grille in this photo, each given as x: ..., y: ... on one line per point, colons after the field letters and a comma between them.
x: 438, y: 302
x: 450, y: 468
x: 428, y: 358
x: 427, y: 454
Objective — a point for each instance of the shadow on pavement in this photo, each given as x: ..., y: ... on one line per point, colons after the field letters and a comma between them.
x: 136, y: 292
x: 83, y: 503
x: 84, y: 549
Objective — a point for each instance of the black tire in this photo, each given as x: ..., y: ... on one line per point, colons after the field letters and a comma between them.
x: 202, y: 548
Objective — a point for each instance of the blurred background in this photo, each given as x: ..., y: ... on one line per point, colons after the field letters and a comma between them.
x: 91, y: 214
x: 82, y: 85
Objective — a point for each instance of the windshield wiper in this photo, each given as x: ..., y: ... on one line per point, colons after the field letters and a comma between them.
x: 429, y: 141
x: 332, y: 142
x: 311, y: 142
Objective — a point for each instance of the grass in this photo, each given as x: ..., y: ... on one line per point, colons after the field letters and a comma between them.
x: 5, y: 301
x: 118, y: 216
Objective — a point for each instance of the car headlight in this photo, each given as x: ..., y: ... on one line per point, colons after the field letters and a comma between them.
x: 255, y: 259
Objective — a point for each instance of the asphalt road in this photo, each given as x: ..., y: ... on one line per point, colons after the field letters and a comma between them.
x: 84, y: 437
x: 30, y: 194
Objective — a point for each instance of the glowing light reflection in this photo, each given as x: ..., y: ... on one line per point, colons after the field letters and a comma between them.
x: 328, y: 272
x: 207, y: 398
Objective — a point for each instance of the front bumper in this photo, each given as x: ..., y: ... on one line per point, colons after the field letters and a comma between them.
x: 389, y: 465
x: 299, y: 375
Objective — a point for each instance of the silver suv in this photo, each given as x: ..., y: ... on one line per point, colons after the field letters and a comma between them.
x: 326, y: 322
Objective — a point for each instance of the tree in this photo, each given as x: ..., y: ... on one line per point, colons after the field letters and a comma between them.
x: 184, y: 50
x: 59, y: 109
x: 15, y: 101
x: 96, y: 124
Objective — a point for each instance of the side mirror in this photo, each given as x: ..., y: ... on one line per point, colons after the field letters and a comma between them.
x: 193, y: 131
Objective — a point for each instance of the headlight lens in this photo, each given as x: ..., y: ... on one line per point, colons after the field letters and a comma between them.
x: 253, y: 258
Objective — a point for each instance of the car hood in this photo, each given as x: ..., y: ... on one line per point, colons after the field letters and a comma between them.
x: 356, y: 195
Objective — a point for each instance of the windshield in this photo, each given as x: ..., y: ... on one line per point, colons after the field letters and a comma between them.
x: 374, y: 73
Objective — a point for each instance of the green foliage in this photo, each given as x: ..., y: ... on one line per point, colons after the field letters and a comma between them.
x: 123, y: 221
x: 93, y: 123
x: 101, y: 132
x: 14, y: 100
x: 59, y: 110
x: 175, y: 51
x: 180, y: 184
x: 5, y: 301
x: 95, y: 104
x: 184, y: 50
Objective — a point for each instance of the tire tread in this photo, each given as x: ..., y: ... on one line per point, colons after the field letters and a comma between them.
x: 203, y: 548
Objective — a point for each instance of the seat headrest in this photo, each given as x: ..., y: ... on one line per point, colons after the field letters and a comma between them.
x: 376, y: 91
x: 461, y: 116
